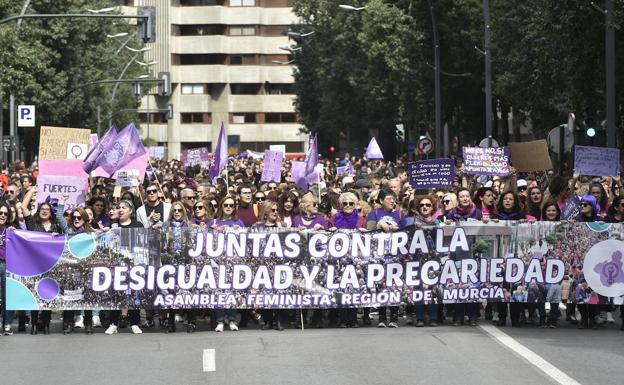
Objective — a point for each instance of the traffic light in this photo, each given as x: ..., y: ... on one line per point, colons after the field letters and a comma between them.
x: 332, y: 149
x: 400, y: 133
x: 590, y: 126
x: 147, y: 25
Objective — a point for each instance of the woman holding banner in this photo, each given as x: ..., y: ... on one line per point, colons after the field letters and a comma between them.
x: 5, y: 219
x: 126, y: 220
x: 79, y: 224
x: 465, y: 210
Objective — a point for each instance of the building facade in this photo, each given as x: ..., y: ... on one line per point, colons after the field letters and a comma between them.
x: 224, y: 60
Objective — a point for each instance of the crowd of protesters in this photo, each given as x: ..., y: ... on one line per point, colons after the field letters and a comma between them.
x: 374, y: 195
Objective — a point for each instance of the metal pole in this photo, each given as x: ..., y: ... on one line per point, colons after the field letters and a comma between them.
x: 2, y: 150
x: 610, y: 64
x: 12, y: 124
x: 99, y: 121
x: 488, y: 70
x: 438, y: 97
x: 562, y: 129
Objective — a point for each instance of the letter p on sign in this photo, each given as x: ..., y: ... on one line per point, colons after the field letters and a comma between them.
x: 25, y: 116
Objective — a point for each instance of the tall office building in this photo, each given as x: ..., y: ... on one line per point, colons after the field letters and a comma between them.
x: 223, y: 60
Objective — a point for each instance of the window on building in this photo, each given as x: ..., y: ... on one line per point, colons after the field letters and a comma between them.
x: 280, y: 117
x: 243, y: 117
x: 242, y: 30
x: 196, y: 117
x: 244, y: 88
x: 197, y: 3
x: 242, y: 3
x: 193, y: 89
x: 154, y: 117
x: 262, y: 146
x: 243, y: 60
x: 279, y: 88
x: 199, y: 59
x: 273, y: 30
x: 202, y: 29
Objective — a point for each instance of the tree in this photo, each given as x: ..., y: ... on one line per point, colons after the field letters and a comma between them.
x: 45, y: 58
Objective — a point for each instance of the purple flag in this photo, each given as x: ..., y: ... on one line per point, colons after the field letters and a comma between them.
x: 126, y: 147
x: 90, y: 162
x: 373, y: 151
x: 297, y: 172
x: 221, y: 155
x: 311, y: 161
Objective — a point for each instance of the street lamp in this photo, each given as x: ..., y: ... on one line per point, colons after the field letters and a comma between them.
x: 144, y: 49
x: 298, y: 34
x: 282, y: 62
x: 120, y: 34
x: 290, y: 49
x: 351, y: 8
x: 103, y: 10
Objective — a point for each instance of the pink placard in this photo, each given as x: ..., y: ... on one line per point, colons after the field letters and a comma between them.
x: 69, y: 167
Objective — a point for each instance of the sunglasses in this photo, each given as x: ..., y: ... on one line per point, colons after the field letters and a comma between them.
x: 425, y: 205
x: 192, y: 198
x: 177, y: 210
x: 151, y: 191
x: 259, y: 198
x: 446, y: 202
x: 523, y: 188
x: 585, y: 204
x: 348, y: 204
x: 273, y: 210
x: 199, y: 207
x: 314, y: 204
x: 77, y: 217
x: 230, y: 205
x: 4, y: 213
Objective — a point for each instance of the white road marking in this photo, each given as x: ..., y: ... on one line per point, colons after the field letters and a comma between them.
x: 533, y: 358
x: 209, y: 360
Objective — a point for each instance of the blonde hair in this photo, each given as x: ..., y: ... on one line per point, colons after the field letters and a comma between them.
x: 306, y: 201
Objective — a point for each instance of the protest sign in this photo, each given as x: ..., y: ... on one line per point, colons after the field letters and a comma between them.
x: 195, y: 156
x: 54, y: 141
x: 128, y: 178
x: 156, y: 152
x: 297, y: 172
x: 139, y: 164
x: 272, y: 166
x: 66, y: 167
x: 278, y: 148
x: 290, y: 269
x: 530, y: 156
x: 50, y: 188
x: 571, y: 208
x: 233, y: 144
x: 348, y: 170
x: 486, y: 160
x: 77, y: 150
x: 434, y: 173
x: 596, y: 161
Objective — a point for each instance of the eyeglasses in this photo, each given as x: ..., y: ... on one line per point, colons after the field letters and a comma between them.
x: 77, y: 217
x: 522, y: 188
x: 192, y: 198
x: 446, y: 201
x: 199, y: 207
x: 273, y: 210
x: 314, y: 204
x: 4, y: 213
x: 259, y: 198
x: 230, y: 205
x: 177, y: 210
x: 585, y: 204
x: 425, y: 205
x: 151, y: 191
x: 11, y: 192
x: 348, y: 203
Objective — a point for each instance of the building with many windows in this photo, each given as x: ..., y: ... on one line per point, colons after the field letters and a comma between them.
x: 223, y: 59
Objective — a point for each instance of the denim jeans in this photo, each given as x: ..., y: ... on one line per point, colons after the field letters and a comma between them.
x: 220, y: 314
x: 433, y: 312
x: 7, y: 315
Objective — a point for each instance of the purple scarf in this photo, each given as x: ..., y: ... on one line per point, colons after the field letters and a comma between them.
x: 344, y: 221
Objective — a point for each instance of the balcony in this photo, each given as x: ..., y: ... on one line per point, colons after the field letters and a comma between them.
x: 231, y: 74
x: 261, y: 103
x: 234, y: 15
x: 227, y: 44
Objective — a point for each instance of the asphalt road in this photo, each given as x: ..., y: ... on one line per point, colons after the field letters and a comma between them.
x: 407, y: 355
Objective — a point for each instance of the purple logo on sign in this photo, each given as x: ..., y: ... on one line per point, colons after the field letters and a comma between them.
x: 611, y: 271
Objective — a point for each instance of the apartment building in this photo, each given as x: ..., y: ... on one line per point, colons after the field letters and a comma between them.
x: 222, y: 57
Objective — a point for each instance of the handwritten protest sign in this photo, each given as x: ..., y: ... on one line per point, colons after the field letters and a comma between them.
x: 272, y: 166
x: 572, y: 208
x: 434, y: 173
x: 51, y: 187
x: 53, y: 141
x: 597, y: 161
x: 156, y: 152
x: 530, y: 156
x: 194, y: 156
x: 128, y: 178
x: 486, y: 160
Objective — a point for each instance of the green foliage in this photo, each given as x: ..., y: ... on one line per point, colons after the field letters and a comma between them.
x: 45, y: 58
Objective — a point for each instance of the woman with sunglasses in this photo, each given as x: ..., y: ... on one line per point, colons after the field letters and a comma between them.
x: 447, y: 203
x: 309, y: 217
x: 226, y: 218
x: 268, y: 221
x: 202, y: 214
x: 589, y: 209
x: 5, y: 219
x: 126, y: 220
x: 288, y: 204
x: 79, y: 224
x: 177, y: 243
x: 348, y: 217
x: 43, y: 221
x: 259, y: 197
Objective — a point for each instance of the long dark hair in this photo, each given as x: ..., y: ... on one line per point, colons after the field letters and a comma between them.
x: 9, y: 214
x: 545, y: 206
x: 517, y: 205
x: 288, y: 196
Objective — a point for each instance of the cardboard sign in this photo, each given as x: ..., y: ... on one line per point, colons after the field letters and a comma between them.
x: 156, y: 152
x: 597, y: 161
x: 486, y: 160
x: 572, y: 208
x: 50, y: 188
x: 54, y: 141
x: 272, y: 166
x: 77, y: 151
x: 278, y: 148
x: 348, y: 170
x: 195, y: 156
x: 128, y: 178
x: 434, y: 173
x: 530, y: 156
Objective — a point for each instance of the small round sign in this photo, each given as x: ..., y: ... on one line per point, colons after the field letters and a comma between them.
x: 425, y: 145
